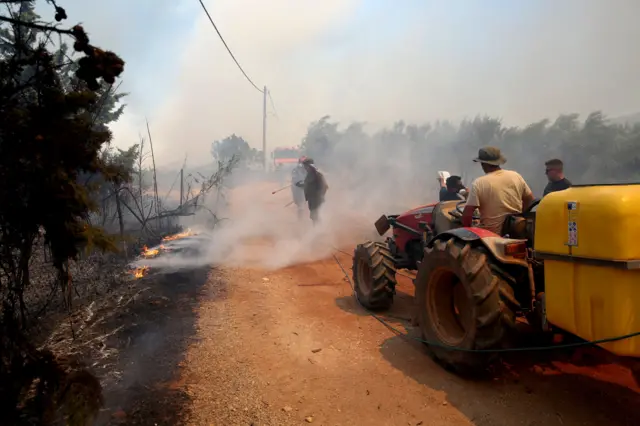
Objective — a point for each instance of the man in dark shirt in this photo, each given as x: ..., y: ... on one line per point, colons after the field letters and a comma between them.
x: 555, y: 174
x: 450, y: 191
x: 315, y: 187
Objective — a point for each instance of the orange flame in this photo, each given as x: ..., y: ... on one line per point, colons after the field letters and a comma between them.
x: 140, y: 272
x: 178, y: 236
x: 146, y: 252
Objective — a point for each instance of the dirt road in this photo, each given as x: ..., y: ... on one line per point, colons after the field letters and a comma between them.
x: 290, y: 346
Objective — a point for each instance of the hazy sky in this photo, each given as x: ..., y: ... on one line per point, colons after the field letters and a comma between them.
x: 367, y: 60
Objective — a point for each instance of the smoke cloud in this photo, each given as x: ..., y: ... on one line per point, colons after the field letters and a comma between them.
x: 381, y: 62
x: 377, y: 63
x: 395, y: 169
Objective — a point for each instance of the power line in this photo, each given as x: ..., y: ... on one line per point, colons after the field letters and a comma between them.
x: 229, y: 50
x: 272, y: 104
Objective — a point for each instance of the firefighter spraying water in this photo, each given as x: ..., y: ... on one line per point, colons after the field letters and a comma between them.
x: 315, y: 187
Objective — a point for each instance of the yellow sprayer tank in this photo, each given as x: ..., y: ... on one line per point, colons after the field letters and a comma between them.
x: 589, y: 240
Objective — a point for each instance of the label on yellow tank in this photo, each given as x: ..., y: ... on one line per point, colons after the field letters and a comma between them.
x: 572, y: 223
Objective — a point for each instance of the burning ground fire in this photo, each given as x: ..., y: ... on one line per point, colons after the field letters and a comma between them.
x: 150, y: 253
x: 184, y: 234
x: 140, y: 272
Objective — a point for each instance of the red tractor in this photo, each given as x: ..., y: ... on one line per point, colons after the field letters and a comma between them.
x: 570, y: 263
x: 402, y: 250
x: 466, y: 292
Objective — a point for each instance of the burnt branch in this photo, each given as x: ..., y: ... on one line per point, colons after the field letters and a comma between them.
x: 35, y: 26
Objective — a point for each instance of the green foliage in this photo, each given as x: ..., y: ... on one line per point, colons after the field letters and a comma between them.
x: 51, y: 137
x: 235, y: 147
x: 44, y: 146
x: 12, y: 38
x: 321, y: 139
x: 110, y: 107
x: 112, y: 188
x: 53, y: 129
x: 594, y: 150
x: 121, y: 163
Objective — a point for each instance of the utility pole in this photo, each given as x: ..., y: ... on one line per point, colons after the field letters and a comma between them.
x: 264, y: 127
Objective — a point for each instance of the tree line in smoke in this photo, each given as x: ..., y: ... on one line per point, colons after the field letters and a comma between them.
x: 594, y: 150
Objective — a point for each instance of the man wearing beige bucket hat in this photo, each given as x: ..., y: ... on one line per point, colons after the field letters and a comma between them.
x: 497, y: 194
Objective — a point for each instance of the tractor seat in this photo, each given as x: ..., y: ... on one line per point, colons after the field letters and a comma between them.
x: 516, y: 227
x: 443, y: 220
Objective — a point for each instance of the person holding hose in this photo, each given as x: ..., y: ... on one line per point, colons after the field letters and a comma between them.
x: 298, y: 174
x: 315, y: 187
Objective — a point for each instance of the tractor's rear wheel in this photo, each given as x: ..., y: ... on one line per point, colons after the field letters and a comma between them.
x: 635, y: 370
x: 462, y: 303
x: 374, y: 275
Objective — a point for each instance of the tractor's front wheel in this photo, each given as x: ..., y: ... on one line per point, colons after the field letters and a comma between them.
x: 374, y: 275
x: 462, y: 303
